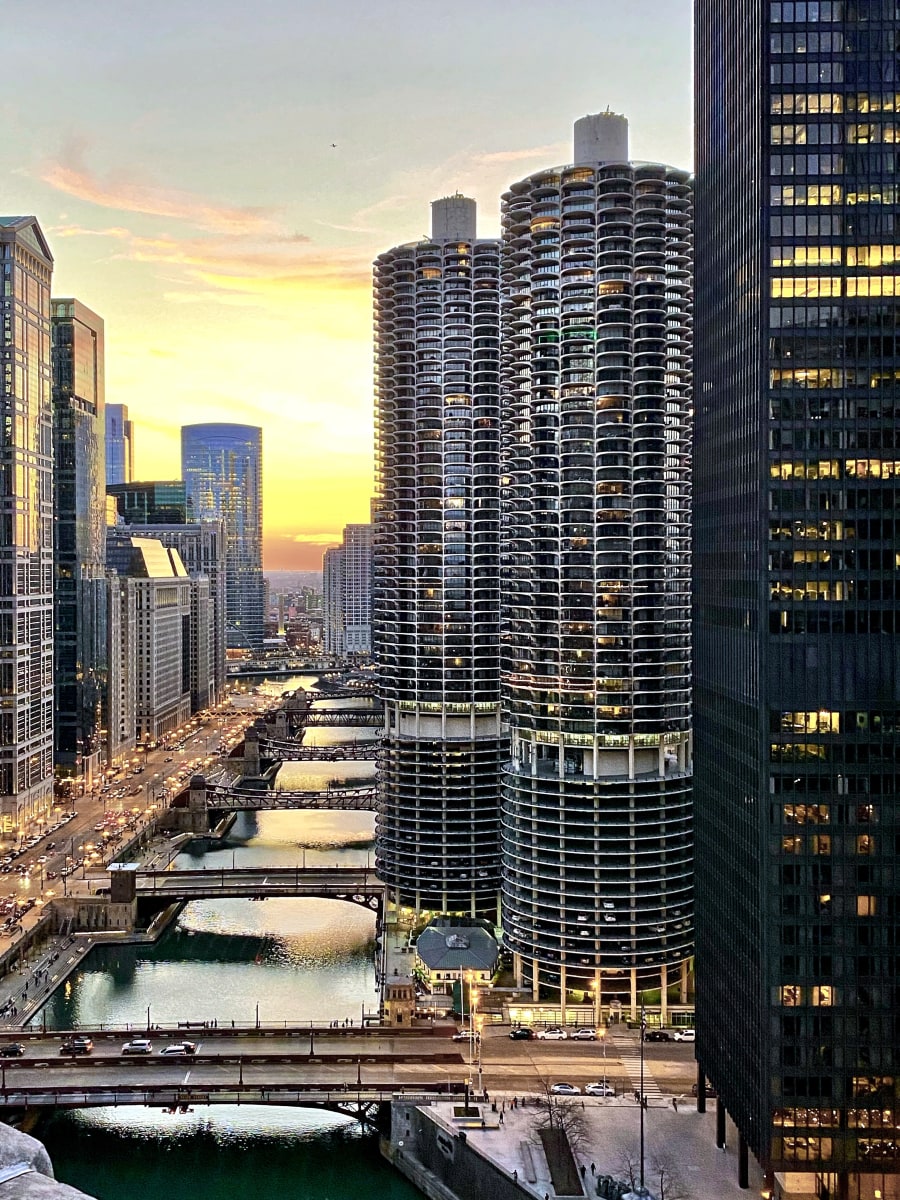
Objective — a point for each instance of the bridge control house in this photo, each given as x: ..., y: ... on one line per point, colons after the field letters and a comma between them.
x: 450, y: 950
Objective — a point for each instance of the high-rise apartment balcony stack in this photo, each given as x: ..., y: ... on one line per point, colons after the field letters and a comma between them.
x: 596, y: 360
x: 436, y: 586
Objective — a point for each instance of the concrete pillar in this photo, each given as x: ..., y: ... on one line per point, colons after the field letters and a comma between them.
x: 683, y: 997
x: 517, y: 968
x: 664, y: 995
x: 562, y: 995
x: 701, y: 1089
x: 535, y: 980
x: 634, y: 1004
x: 720, y: 1124
x: 743, y: 1163
x: 598, y: 993
x: 197, y: 806
x: 251, y: 754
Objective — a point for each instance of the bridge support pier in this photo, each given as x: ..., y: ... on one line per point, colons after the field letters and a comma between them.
x: 195, y: 818
x: 250, y: 768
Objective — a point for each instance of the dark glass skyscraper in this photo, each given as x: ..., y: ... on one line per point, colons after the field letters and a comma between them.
x: 797, y: 655
x: 80, y: 602
x: 596, y: 354
x: 436, y: 589
x: 158, y: 502
x: 222, y: 470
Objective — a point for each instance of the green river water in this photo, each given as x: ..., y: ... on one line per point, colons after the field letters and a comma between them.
x: 297, y: 960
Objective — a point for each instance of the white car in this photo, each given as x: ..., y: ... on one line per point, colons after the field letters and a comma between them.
x: 584, y: 1034
x: 552, y: 1035
x: 685, y: 1035
x: 181, y: 1048
x: 565, y: 1089
x: 138, y: 1046
x: 599, y: 1089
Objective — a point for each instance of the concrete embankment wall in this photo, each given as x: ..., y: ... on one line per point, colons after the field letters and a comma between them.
x: 37, y: 1183
x: 441, y: 1162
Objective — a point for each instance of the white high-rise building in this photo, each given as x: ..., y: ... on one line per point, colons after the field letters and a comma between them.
x: 596, y: 816
x: 436, y: 611
x: 347, y: 588
x: 26, y: 526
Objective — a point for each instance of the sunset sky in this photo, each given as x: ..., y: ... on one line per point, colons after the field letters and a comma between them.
x: 179, y: 156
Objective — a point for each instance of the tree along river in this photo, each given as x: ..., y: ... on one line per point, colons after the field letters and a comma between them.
x: 297, y: 960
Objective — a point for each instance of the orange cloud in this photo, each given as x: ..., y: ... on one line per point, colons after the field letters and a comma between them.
x: 129, y: 195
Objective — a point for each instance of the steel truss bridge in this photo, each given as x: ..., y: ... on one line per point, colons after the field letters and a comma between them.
x: 291, y: 751
x: 238, y: 799
x: 340, y: 718
x: 357, y: 885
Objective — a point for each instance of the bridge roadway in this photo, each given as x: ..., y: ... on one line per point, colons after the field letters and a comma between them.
x: 238, y: 799
x: 341, y: 1072
x: 359, y: 885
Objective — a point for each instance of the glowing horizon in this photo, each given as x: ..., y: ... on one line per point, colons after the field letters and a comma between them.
x: 217, y: 191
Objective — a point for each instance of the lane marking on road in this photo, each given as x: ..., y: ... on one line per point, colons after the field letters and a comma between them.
x: 632, y: 1066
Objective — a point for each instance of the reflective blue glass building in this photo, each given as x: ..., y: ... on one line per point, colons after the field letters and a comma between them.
x: 222, y: 469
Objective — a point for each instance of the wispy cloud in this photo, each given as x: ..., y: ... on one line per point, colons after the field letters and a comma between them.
x: 236, y: 266
x: 117, y: 191
x: 551, y: 152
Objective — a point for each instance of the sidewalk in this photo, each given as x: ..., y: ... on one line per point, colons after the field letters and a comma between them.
x: 681, y: 1144
x: 24, y: 991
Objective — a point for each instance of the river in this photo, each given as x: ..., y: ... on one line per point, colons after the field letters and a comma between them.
x: 290, y: 960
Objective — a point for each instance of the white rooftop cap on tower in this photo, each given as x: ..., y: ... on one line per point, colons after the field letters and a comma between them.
x: 601, y: 137
x: 453, y: 219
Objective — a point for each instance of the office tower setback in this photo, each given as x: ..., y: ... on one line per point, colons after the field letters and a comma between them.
x: 26, y: 526
x: 436, y: 586
x: 119, y: 445
x: 347, y: 584
x: 797, y: 668
x: 222, y: 470
x: 596, y: 816
x: 158, y: 502
x: 171, y: 632
x: 201, y: 547
x: 80, y: 600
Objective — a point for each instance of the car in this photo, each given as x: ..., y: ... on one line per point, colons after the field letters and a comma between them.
x: 138, y: 1046
x: 657, y: 1035
x: 463, y: 1035
x: 685, y: 1035
x: 77, y: 1045
x: 181, y: 1048
x: 599, y: 1089
x: 552, y: 1035
x: 521, y: 1034
x: 565, y: 1089
x: 709, y: 1089
x: 584, y: 1034
x: 12, y: 1050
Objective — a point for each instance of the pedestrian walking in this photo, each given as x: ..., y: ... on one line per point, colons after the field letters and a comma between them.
x: 675, y: 1103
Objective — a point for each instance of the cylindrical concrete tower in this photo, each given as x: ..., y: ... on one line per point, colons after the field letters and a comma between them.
x: 436, y: 593
x: 601, y: 138
x: 596, y: 816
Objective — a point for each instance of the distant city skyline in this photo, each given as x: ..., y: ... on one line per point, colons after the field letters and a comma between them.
x: 230, y: 252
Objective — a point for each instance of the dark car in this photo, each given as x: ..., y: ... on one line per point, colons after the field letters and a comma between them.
x: 657, y: 1035
x: 77, y: 1045
x: 522, y: 1034
x: 12, y: 1050
x: 710, y: 1091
